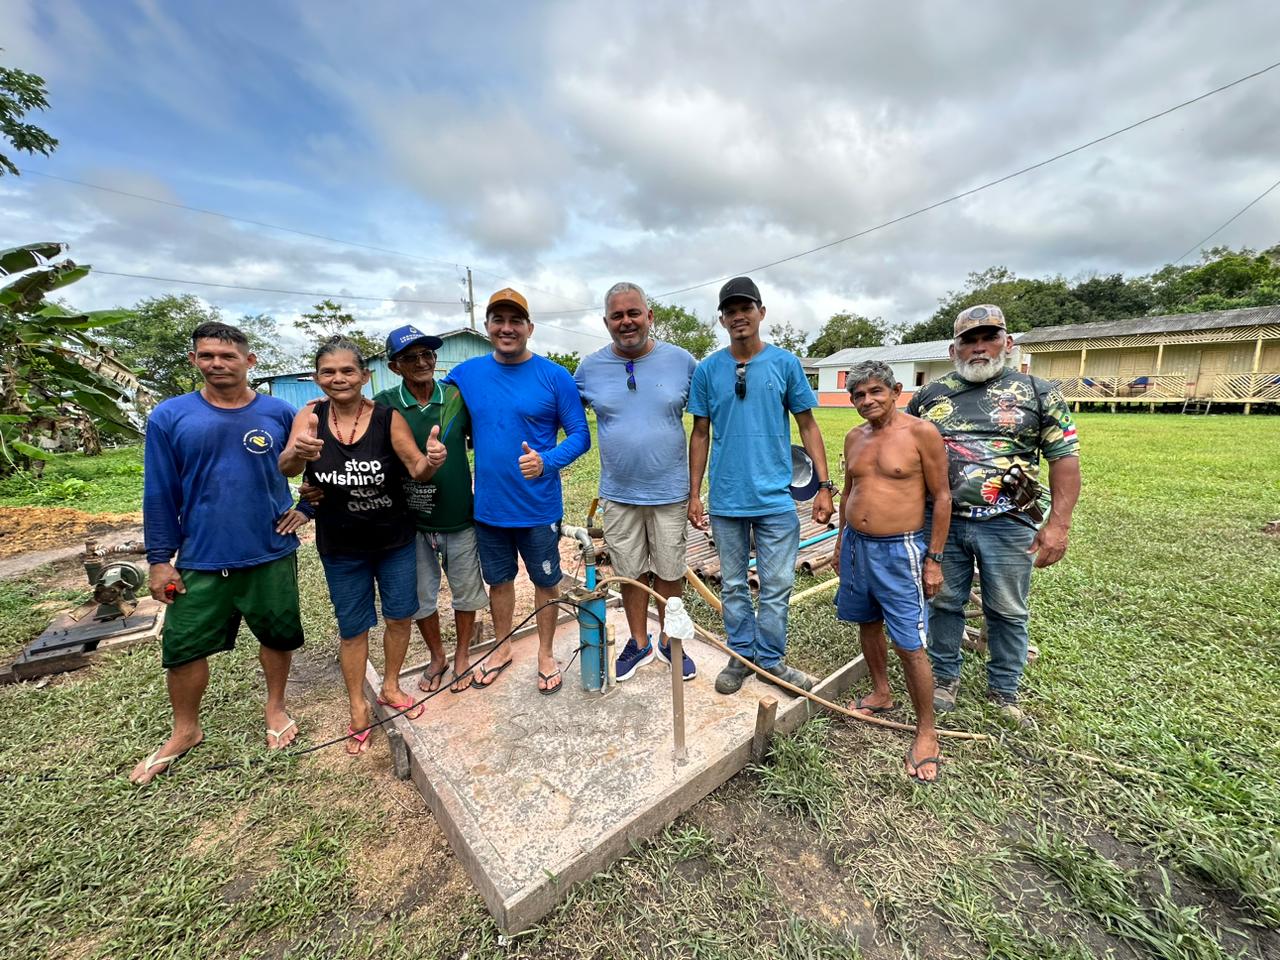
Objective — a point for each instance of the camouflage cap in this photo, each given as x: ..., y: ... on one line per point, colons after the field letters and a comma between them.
x: 983, y: 315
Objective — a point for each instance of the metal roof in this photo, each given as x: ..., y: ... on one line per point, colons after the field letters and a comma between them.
x: 1173, y: 323
x: 453, y: 333
x: 929, y: 350
x: 381, y: 356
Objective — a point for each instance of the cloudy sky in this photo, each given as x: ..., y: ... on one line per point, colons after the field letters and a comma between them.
x: 563, y: 146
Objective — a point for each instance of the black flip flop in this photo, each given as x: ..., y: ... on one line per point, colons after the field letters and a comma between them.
x: 431, y: 678
x: 915, y: 765
x: 548, y: 677
x: 471, y: 682
x: 875, y: 711
x: 486, y: 673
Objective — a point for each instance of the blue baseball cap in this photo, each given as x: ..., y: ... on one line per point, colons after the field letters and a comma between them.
x: 401, y: 338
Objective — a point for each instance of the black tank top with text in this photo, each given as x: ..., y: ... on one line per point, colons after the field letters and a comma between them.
x: 363, y: 510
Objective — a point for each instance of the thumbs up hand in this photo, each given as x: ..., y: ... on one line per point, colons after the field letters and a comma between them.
x: 436, y: 452
x: 530, y: 462
x: 308, y: 443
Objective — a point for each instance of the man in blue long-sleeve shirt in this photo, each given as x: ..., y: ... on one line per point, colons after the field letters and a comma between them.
x: 213, y: 496
x: 518, y: 401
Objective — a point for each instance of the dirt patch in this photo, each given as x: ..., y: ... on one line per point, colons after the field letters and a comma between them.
x: 797, y: 862
x: 216, y: 831
x: 23, y: 529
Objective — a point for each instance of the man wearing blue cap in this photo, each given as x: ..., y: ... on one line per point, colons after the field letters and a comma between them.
x: 743, y: 398
x: 442, y: 506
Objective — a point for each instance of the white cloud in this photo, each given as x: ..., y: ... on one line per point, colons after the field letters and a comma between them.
x: 562, y: 147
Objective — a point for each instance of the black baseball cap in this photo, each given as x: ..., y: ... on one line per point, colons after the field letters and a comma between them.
x: 739, y: 288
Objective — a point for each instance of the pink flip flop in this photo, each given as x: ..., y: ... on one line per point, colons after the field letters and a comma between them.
x: 410, y: 709
x: 359, y: 738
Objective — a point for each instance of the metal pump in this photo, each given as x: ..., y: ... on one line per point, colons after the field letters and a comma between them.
x: 596, y: 655
x: 120, y: 612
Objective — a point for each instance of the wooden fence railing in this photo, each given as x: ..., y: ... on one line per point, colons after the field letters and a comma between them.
x: 1227, y: 387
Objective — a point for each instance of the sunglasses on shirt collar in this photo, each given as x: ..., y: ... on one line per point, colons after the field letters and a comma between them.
x: 740, y: 383
x: 631, y: 374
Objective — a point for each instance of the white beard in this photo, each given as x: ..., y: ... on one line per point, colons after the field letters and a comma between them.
x: 977, y: 372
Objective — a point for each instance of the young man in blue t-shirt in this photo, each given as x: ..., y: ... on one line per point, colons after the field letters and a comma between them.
x: 740, y: 399
x: 518, y: 402
x: 211, y: 494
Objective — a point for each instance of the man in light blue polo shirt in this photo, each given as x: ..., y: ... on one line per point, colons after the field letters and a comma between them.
x: 740, y: 399
x: 638, y: 387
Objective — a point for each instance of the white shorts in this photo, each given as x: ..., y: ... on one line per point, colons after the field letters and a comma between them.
x: 646, y: 539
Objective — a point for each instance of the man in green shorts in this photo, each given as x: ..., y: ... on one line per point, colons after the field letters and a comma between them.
x: 441, y: 505
x: 212, y: 495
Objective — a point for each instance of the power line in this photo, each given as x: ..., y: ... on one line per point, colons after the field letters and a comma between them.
x: 321, y: 296
x: 296, y: 293
x: 275, y: 226
x: 1228, y: 223
x: 547, y: 293
x: 991, y: 183
x: 697, y: 286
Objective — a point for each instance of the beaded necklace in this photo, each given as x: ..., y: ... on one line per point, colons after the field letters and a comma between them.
x: 333, y: 415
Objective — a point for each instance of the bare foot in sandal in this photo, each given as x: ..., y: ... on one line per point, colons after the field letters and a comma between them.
x: 433, y: 676
x: 359, y: 731
x: 923, y: 759
x: 549, y: 677
x: 281, y: 729
x: 170, y: 752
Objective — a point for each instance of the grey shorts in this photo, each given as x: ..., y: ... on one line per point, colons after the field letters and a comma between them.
x: 454, y: 553
x: 646, y: 539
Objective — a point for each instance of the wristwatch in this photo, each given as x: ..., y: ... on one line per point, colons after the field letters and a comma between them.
x: 827, y: 485
x: 935, y: 557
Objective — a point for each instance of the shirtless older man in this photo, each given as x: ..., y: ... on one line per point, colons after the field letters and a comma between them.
x: 886, y: 573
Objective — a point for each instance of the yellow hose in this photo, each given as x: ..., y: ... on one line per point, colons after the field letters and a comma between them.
x: 713, y: 640
x: 813, y: 591
x: 701, y: 588
x: 705, y: 592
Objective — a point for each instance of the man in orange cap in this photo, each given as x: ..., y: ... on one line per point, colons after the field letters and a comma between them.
x: 518, y: 402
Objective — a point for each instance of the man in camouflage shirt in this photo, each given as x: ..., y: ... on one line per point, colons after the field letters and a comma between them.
x: 992, y: 418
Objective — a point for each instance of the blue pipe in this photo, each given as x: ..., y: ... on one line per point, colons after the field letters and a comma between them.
x: 593, y: 661
x: 827, y: 535
x: 591, y: 637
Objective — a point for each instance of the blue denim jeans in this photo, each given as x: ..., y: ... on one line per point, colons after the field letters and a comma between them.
x: 999, y: 547
x: 760, y: 636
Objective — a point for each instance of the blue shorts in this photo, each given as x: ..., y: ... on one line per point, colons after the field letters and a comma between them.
x: 351, y: 577
x: 538, y: 546
x: 881, y: 579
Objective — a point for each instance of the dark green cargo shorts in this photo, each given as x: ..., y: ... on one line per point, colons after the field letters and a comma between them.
x: 206, y: 619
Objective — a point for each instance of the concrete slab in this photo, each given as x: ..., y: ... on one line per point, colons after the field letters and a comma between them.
x: 536, y: 793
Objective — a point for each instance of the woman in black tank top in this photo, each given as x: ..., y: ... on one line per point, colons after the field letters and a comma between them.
x: 358, y: 454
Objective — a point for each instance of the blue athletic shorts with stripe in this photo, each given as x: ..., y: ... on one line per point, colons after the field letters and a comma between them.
x: 881, y: 579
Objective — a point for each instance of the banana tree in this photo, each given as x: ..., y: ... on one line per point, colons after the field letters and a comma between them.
x: 52, y: 372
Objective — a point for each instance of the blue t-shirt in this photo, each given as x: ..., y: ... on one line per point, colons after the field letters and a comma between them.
x: 514, y: 403
x: 211, y: 490
x: 643, y: 455
x: 751, y: 436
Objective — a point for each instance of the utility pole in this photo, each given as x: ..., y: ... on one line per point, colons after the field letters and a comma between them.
x: 471, y: 300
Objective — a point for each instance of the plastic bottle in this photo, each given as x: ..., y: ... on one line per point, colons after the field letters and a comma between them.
x: 677, y: 623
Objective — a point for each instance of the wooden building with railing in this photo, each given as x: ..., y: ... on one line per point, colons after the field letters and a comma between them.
x: 1191, y: 359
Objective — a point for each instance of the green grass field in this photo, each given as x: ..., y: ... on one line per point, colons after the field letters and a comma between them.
x: 110, y: 483
x: 1160, y: 654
